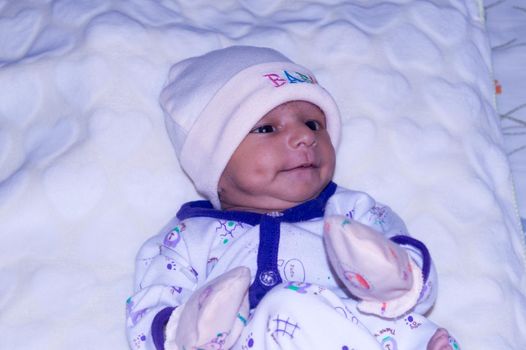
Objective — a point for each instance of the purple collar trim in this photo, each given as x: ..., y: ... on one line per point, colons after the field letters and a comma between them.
x: 267, y: 275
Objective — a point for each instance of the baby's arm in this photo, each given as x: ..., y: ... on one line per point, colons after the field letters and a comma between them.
x: 164, y: 280
x: 214, y: 315
x: 361, y: 208
x: 372, y: 267
x: 166, y: 297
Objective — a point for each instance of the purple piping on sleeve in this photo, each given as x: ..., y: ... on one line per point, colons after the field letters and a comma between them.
x: 426, y: 257
x: 159, y: 323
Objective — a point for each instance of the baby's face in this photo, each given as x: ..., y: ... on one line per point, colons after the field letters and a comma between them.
x: 285, y: 160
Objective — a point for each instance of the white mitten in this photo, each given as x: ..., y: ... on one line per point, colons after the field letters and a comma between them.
x: 214, y: 316
x: 372, y: 267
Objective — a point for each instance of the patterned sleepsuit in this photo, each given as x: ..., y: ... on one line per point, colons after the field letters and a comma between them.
x: 296, y: 300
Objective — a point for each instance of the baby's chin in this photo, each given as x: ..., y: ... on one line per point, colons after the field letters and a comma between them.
x: 270, y: 203
x: 290, y: 198
x: 274, y: 197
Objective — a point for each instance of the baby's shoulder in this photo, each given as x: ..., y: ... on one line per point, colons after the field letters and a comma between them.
x: 189, y: 226
x: 345, y: 200
x: 363, y: 207
x: 346, y: 192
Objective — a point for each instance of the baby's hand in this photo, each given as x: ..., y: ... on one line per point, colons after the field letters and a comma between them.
x: 372, y: 267
x: 214, y: 316
x: 441, y: 340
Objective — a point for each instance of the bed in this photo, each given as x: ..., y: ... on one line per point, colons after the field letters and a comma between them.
x: 506, y: 27
x: 430, y: 106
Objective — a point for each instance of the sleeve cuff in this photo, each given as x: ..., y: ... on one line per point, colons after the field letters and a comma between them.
x: 395, y: 308
x: 158, y: 325
x: 424, y: 252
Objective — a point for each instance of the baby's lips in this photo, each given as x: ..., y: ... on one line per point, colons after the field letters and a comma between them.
x: 300, y: 166
x: 303, y: 158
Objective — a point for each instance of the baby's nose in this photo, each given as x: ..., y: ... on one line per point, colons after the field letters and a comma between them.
x: 302, y: 136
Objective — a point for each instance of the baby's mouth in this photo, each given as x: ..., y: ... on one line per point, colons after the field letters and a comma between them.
x: 302, y: 166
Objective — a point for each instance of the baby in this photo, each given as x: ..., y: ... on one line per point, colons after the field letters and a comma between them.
x: 278, y: 257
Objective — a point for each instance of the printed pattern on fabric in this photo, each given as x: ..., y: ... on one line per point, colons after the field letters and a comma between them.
x: 196, y: 251
x: 226, y: 229
x: 284, y: 323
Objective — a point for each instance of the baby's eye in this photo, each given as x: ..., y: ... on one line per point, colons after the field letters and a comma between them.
x: 263, y: 129
x: 313, y: 125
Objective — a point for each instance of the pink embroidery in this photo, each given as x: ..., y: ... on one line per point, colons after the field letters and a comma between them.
x: 276, y: 79
x: 358, y: 281
x: 384, y: 307
x: 287, y: 77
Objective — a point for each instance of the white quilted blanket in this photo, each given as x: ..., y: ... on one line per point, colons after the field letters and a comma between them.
x: 87, y: 172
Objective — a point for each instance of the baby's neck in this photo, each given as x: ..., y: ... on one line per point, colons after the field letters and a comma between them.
x: 271, y: 212
x: 265, y: 204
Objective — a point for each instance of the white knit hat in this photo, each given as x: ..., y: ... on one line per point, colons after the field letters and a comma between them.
x: 211, y: 103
